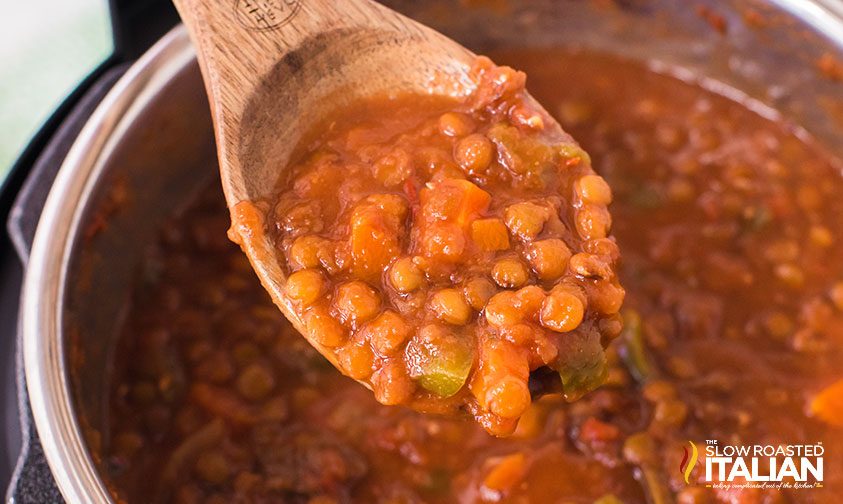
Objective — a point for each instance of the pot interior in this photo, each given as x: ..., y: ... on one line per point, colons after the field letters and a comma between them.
x: 770, y: 52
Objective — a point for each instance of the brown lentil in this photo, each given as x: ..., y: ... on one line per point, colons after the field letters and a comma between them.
x: 562, y: 311
x: 526, y: 220
x: 510, y: 273
x: 455, y: 124
x: 450, y: 306
x: 478, y: 291
x: 549, y: 258
x: 305, y: 286
x: 474, y: 154
x: 255, y: 382
x: 388, y: 332
x: 356, y: 302
x: 405, y: 275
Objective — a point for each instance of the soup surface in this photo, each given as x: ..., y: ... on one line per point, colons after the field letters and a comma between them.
x: 730, y: 229
x: 440, y: 250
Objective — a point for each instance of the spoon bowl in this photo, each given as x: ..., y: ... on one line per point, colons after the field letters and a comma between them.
x: 273, y: 69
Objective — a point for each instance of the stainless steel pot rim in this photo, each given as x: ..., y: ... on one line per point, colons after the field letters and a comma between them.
x: 47, y: 379
x: 824, y: 15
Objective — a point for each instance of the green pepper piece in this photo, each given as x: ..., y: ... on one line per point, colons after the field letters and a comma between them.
x: 571, y: 152
x: 520, y: 153
x: 640, y: 450
x: 581, y: 363
x: 633, y: 349
x: 439, y: 360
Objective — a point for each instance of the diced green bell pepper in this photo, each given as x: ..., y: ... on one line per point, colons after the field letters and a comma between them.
x: 581, y: 363
x: 440, y: 360
x: 632, y: 348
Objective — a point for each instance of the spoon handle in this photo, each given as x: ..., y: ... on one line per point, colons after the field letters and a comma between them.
x: 238, y: 42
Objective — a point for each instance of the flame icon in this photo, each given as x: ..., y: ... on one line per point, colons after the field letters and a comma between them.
x: 686, y: 466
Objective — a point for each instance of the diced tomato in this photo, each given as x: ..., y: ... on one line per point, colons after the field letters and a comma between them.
x: 593, y: 430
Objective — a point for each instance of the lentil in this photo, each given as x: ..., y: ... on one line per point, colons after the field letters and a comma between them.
x: 305, y: 286
x: 455, y: 124
x: 450, y: 306
x: 474, y: 154
x: 510, y: 273
x: 388, y: 332
x: 357, y: 302
x: 593, y: 189
x: 526, y: 220
x: 549, y: 258
x: 562, y: 311
x: 478, y: 291
x: 255, y: 382
x: 405, y: 275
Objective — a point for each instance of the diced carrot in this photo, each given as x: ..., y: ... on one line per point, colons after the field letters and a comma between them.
x: 455, y: 200
x: 374, y: 241
x: 502, y: 358
x: 490, y: 234
x: 223, y: 403
x: 443, y: 241
x: 473, y: 201
x: 828, y: 404
x: 507, y: 473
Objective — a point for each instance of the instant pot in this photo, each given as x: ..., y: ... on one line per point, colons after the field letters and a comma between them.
x: 134, y: 140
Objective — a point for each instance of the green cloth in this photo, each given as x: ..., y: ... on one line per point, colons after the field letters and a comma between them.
x: 46, y: 48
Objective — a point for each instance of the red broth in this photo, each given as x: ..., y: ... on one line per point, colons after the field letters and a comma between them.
x: 730, y: 229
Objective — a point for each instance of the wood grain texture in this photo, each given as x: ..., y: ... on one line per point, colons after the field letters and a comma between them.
x: 267, y: 86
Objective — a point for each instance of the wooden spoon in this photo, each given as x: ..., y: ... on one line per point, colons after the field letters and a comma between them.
x: 274, y: 67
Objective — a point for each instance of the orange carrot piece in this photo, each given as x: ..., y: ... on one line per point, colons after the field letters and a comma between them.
x: 459, y: 201
x: 223, y: 403
x: 374, y: 242
x: 828, y: 404
x: 490, y: 234
x: 507, y: 473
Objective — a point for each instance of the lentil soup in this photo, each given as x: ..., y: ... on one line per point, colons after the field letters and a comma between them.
x: 730, y: 228
x: 440, y: 250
